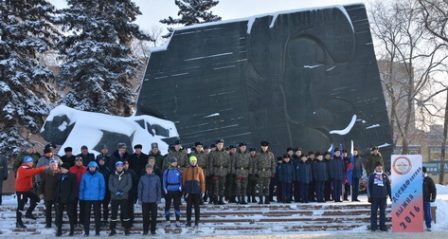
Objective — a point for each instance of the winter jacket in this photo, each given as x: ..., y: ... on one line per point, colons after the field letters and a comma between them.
x: 180, y: 156
x: 371, y: 161
x: 66, y: 188
x: 24, y: 177
x: 48, y: 185
x: 44, y: 161
x: 337, y: 169
x: 115, y: 157
x: 286, y: 172
x: 105, y: 171
x: 305, y: 174
x: 242, y: 164
x: 357, y: 167
x: 70, y: 160
x: 172, y: 180
x: 265, y: 164
x: 92, y: 187
x: 119, y: 185
x: 219, y: 163
x: 86, y: 158
x: 158, y: 157
x: 193, y: 180
x: 78, y: 172
x: 19, y: 160
x: 320, y: 172
x: 134, y: 179
x: 149, y: 188
x: 137, y: 161
x: 429, y: 189
x: 379, y: 185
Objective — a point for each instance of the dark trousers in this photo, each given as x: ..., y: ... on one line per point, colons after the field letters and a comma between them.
x: 378, y: 203
x: 272, y: 184
x: 105, y: 207
x: 230, y: 186
x: 337, y: 190
x: 149, y: 209
x: 131, y: 202
x: 304, y: 191
x: 81, y: 211
x: 355, y: 188
x: 210, y: 187
x: 96, y: 213
x: 311, y: 192
x: 319, y: 187
x: 124, y: 213
x: 296, y: 191
x: 22, y: 198
x: 346, y: 190
x: 427, y: 213
x: 1, y: 190
x: 328, y: 190
x: 48, y: 208
x: 193, y: 200
x: 175, y: 197
x: 251, y: 186
x: 279, y: 192
x: 59, y: 212
x: 286, y: 191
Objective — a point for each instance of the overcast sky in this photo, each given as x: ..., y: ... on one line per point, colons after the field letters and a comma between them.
x: 154, y: 10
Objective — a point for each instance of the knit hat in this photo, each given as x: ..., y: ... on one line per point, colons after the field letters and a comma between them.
x: 27, y: 159
x: 92, y: 164
x: 53, y: 162
x: 119, y: 164
x: 149, y: 166
x: 172, y: 160
x: 66, y: 166
x: 193, y: 158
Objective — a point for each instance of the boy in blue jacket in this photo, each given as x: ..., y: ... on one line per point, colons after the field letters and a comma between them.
x: 172, y: 186
x: 92, y: 190
x: 378, y: 190
x: 286, y: 175
x: 149, y: 194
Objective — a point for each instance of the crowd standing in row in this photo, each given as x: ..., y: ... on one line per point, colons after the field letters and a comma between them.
x: 215, y: 174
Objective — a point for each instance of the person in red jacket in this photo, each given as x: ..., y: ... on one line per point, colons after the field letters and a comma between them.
x: 24, y: 184
x: 78, y: 170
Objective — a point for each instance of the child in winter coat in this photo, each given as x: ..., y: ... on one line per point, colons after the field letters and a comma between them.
x: 172, y: 186
x: 149, y: 194
x: 286, y: 175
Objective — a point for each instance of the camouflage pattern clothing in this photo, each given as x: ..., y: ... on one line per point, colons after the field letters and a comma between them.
x: 181, y: 157
x: 242, y: 167
x: 265, y: 169
x: 230, y: 180
x: 371, y: 161
x: 252, y: 182
x: 202, y: 160
x: 219, y: 163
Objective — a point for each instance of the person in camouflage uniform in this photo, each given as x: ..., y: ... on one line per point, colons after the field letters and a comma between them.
x: 220, y: 160
x: 230, y: 178
x: 198, y: 152
x: 265, y: 170
x: 242, y: 168
x: 155, y: 152
x: 178, y: 154
x: 252, y: 182
x: 374, y: 158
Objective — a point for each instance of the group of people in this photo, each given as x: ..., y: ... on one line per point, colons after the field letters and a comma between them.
x: 215, y: 174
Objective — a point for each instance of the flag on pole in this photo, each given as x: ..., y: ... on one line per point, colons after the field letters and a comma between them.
x: 349, y: 165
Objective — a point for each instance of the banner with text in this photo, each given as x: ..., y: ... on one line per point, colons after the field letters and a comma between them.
x: 407, y: 193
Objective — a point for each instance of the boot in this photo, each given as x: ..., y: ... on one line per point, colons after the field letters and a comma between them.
x: 72, y: 229
x: 242, y: 201
x: 127, y: 232
x: 112, y: 232
x: 261, y: 200
x: 267, y: 201
x: 221, y: 202
x: 19, y: 223
x: 113, y: 225
x: 59, y: 232
x: 253, y: 199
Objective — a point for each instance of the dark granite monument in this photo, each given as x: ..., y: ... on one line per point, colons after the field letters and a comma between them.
x: 300, y: 78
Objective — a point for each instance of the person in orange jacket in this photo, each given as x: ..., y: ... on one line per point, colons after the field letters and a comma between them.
x: 24, y: 184
x: 194, y: 184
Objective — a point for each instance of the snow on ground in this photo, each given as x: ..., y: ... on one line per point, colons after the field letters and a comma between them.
x: 439, y: 229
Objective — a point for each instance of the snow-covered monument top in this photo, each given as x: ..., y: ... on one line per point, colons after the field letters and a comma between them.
x: 304, y: 78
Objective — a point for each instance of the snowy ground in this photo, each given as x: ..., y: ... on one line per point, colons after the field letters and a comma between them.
x: 439, y: 230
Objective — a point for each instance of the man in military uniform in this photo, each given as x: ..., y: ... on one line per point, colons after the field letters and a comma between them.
x: 220, y: 160
x: 178, y: 154
x: 374, y: 158
x: 155, y: 152
x: 252, y: 182
x: 242, y: 168
x: 265, y: 170
x: 230, y: 178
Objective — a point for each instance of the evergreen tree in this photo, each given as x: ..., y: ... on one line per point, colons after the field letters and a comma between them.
x: 26, y: 92
x: 192, y: 12
x: 98, y: 62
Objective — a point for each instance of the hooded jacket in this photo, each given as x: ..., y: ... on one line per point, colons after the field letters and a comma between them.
x: 92, y: 186
x: 120, y: 182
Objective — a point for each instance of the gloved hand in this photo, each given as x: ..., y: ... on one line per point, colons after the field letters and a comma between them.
x: 272, y: 175
x: 240, y: 177
x: 41, y: 196
x: 432, y: 200
x: 118, y: 193
x: 5, y: 178
x: 166, y: 191
x: 180, y: 188
x: 214, y: 178
x: 202, y: 195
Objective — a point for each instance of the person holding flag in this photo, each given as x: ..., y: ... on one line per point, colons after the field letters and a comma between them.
x: 356, y: 174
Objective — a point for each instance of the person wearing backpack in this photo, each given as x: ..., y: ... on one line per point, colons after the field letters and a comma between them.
x: 172, y: 186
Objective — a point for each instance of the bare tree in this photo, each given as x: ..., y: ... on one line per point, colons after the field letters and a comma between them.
x: 435, y: 20
x: 408, y: 57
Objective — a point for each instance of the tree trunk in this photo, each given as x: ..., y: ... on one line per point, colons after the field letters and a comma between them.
x: 442, y: 155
